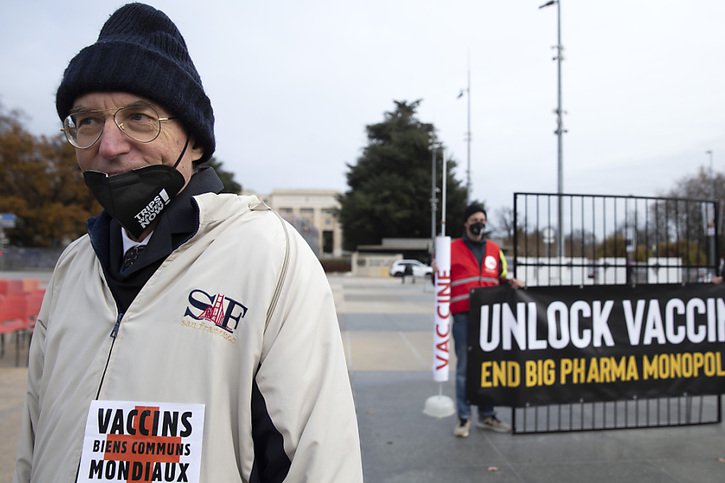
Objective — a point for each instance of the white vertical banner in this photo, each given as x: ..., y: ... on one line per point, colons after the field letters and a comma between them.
x: 442, y: 332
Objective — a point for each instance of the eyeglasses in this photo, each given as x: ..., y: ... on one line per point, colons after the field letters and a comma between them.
x: 138, y: 121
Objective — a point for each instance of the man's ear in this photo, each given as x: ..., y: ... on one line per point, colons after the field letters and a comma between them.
x: 196, y: 151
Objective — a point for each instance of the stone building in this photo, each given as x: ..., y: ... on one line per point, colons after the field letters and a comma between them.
x: 313, y: 213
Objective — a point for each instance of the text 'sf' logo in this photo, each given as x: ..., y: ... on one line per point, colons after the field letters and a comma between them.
x: 218, y: 309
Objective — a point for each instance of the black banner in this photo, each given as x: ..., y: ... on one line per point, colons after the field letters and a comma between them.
x: 548, y: 345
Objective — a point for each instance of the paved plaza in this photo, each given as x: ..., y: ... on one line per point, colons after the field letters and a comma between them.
x: 387, y: 332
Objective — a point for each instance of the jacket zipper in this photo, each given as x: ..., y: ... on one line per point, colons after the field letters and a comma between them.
x: 114, y: 333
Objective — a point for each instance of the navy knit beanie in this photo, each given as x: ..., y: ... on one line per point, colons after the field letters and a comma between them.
x: 140, y: 51
x: 473, y: 208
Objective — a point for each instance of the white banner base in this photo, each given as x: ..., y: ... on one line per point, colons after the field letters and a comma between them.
x: 439, y: 406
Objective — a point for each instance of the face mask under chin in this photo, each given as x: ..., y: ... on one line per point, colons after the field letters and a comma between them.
x: 138, y: 197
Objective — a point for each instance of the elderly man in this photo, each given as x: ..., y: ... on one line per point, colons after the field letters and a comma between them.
x: 189, y: 335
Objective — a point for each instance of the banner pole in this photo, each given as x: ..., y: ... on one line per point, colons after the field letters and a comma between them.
x: 444, y: 182
x: 441, y: 406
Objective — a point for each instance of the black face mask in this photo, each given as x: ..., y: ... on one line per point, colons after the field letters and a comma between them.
x: 137, y: 198
x: 477, y: 228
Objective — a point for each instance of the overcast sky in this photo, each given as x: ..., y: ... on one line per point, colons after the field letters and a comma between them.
x: 294, y: 82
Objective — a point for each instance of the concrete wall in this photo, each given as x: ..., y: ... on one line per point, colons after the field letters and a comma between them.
x: 373, y: 264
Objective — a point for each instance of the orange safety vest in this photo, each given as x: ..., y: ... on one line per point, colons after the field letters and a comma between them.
x: 466, y: 274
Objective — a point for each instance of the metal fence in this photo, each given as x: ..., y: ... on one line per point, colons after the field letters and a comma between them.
x: 29, y: 259
x: 576, y: 239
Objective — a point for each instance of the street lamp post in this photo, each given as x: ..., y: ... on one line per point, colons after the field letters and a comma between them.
x: 559, y: 127
x: 467, y: 91
x: 712, y: 172
x: 711, y: 223
x: 468, y: 138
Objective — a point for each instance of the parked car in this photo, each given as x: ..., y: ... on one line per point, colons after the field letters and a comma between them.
x: 414, y: 268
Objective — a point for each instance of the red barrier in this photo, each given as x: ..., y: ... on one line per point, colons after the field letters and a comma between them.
x: 11, y: 286
x: 30, y: 284
x: 20, y: 302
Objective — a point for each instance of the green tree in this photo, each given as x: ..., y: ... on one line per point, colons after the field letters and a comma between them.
x: 227, y: 177
x: 41, y: 184
x: 389, y: 187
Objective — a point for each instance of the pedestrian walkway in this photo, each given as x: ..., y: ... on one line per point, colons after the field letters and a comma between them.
x: 387, y: 333
x: 387, y: 330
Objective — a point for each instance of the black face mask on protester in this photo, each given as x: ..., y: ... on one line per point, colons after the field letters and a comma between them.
x: 477, y: 228
x: 137, y: 198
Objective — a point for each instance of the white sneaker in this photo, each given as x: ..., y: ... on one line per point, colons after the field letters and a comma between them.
x: 463, y: 429
x: 492, y: 423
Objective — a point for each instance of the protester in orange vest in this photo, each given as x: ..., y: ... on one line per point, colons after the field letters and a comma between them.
x: 475, y: 262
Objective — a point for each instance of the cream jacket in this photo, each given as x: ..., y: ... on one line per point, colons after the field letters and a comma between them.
x: 281, y: 341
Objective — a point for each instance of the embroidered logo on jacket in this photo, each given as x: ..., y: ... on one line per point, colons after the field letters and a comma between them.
x: 218, y: 309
